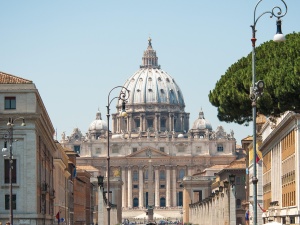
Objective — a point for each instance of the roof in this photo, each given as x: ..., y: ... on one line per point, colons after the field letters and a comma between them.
x: 248, y: 138
x: 6, y: 78
x: 237, y: 164
x: 150, y: 84
x: 87, y: 168
x: 211, y: 169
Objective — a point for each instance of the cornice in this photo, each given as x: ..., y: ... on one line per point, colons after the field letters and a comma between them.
x: 274, y: 134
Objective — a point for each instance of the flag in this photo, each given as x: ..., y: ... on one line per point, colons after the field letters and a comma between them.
x: 261, y: 207
x: 257, y: 159
x: 57, y: 217
x: 74, y: 172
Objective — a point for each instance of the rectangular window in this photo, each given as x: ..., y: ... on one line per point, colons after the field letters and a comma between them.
x: 135, y: 186
x: 180, y: 198
x: 10, y: 103
x: 150, y: 122
x: 134, y: 149
x: 163, y: 123
x: 137, y: 123
x: 220, y: 148
x: 7, y: 205
x: 162, y: 186
x: 162, y: 149
x: 77, y: 148
x: 13, y: 172
x: 114, y: 149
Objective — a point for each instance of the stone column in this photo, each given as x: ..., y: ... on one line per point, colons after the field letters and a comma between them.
x: 232, y: 205
x: 117, y: 124
x: 150, y: 184
x: 127, y: 123
x: 101, y: 207
x: 129, y: 199
x: 141, y: 188
x: 187, y: 124
x: 174, y: 191
x: 168, y: 187
x: 113, y: 123
x: 157, y: 121
x: 116, y: 184
x: 143, y: 123
x: 156, y: 168
x: 171, y: 116
x: 130, y: 119
x: 181, y: 122
x: 124, y: 188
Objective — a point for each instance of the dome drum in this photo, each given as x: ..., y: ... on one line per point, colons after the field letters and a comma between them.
x: 155, y: 101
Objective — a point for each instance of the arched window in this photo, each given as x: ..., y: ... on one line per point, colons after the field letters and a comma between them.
x: 162, y: 202
x: 162, y: 175
x: 135, y: 202
x: 135, y: 175
x: 181, y: 173
x: 146, y: 174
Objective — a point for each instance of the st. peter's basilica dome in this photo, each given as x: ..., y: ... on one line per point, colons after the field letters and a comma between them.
x: 150, y: 84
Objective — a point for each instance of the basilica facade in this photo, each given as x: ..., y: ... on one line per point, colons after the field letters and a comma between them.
x: 153, y: 147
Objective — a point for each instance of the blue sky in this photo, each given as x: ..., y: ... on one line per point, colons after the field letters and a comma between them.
x: 77, y: 51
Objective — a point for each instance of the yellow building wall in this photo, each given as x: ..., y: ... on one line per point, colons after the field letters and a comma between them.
x: 288, y: 147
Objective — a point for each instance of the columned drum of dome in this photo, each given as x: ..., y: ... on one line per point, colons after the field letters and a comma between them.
x: 156, y: 102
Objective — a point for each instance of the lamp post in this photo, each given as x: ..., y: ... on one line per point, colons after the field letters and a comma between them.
x: 10, y: 125
x: 232, y: 179
x: 257, y: 87
x: 123, y: 96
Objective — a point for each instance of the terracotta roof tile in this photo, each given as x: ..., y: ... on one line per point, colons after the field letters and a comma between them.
x: 6, y: 78
x: 249, y: 138
x: 88, y: 168
x: 237, y: 164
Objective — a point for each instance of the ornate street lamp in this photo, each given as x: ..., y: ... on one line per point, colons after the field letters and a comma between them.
x: 226, y: 184
x: 123, y: 96
x: 100, y: 180
x: 257, y: 87
x: 221, y: 189
x: 232, y: 179
x: 10, y: 125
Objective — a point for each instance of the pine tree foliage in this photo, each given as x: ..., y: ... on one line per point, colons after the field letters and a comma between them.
x: 278, y: 65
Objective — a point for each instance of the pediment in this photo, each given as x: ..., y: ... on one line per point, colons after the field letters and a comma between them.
x: 144, y: 153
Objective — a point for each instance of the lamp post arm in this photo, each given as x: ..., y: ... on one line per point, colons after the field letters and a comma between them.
x: 276, y: 12
x: 124, y: 95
